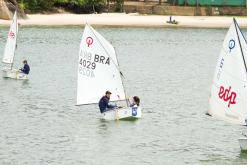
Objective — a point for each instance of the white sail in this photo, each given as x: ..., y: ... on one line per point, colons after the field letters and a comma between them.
x: 10, y: 46
x: 228, y: 100
x: 98, y: 69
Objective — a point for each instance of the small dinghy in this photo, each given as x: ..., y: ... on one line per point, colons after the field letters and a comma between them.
x: 9, y: 53
x: 98, y: 71
x: 229, y: 88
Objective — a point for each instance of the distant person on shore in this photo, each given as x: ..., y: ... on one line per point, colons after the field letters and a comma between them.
x: 26, y: 68
x: 135, y: 102
x: 170, y: 18
x: 104, y: 104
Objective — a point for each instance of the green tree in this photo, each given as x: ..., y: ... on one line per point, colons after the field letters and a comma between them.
x: 78, y: 6
x: 36, y: 5
x: 119, y: 7
x: 83, y: 6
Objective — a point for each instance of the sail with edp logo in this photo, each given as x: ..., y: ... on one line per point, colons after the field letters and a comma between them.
x: 229, y: 88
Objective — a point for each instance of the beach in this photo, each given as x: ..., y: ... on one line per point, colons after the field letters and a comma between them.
x: 127, y: 20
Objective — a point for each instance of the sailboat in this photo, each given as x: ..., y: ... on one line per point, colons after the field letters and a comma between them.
x: 98, y: 72
x: 228, y: 100
x: 9, y: 53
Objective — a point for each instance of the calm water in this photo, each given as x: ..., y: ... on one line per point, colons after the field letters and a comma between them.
x: 170, y: 69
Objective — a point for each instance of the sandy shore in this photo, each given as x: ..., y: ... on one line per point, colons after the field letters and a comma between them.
x: 128, y: 20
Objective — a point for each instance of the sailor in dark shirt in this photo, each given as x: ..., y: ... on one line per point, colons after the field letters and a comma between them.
x: 104, y: 103
x: 26, y: 67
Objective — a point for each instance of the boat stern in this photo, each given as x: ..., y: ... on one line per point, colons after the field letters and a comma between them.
x: 14, y: 74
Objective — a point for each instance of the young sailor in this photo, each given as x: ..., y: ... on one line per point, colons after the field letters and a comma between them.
x: 135, y: 102
x: 26, y: 68
x: 104, y: 104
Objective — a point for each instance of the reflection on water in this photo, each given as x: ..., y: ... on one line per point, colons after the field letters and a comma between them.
x: 170, y: 69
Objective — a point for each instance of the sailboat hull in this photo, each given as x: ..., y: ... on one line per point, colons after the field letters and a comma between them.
x: 14, y: 74
x: 243, y: 143
x: 129, y: 113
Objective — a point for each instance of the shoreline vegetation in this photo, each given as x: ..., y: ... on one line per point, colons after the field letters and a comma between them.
x: 24, y: 7
x: 79, y: 12
x: 126, y: 20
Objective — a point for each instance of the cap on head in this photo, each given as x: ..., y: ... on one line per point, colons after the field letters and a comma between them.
x: 107, y: 92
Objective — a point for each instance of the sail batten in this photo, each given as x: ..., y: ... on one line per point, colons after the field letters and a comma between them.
x: 229, y: 88
x: 9, y: 51
x: 98, y: 69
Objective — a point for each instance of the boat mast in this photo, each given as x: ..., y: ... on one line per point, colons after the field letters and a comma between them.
x: 117, y: 66
x: 16, y: 38
x: 235, y: 23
